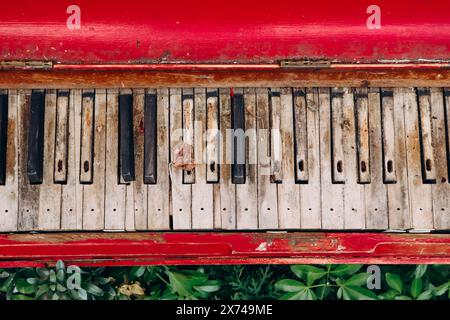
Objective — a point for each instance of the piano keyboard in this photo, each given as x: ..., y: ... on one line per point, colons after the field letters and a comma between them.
x: 242, y: 158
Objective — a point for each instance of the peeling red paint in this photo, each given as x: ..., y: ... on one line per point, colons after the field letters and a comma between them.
x: 89, y: 249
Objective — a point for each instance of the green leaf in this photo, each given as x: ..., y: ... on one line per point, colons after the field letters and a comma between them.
x: 358, y: 280
x: 60, y: 265
x: 42, y: 273
x: 289, y: 285
x: 402, y: 298
x: 24, y: 287
x: 136, y: 272
x: 21, y: 297
x: 93, y: 289
x: 346, y: 269
x: 394, y: 281
x: 420, y: 270
x: 180, y: 283
x: 304, y: 294
x: 60, y: 275
x: 389, y: 295
x: 416, y: 287
x: 439, y: 291
x: 426, y: 295
x: 52, y: 276
x: 357, y: 293
x: 4, y: 274
x: 308, y: 273
x: 209, y: 286
x: 41, y: 290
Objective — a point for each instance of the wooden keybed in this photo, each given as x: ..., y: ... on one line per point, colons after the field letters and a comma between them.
x: 367, y: 98
x: 311, y: 158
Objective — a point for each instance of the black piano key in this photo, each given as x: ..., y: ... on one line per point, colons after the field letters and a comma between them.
x: 238, y: 122
x: 36, y: 137
x: 150, y: 141
x: 126, y: 143
x: 3, y: 136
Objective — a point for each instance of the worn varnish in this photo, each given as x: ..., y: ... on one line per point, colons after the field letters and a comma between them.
x: 364, y: 152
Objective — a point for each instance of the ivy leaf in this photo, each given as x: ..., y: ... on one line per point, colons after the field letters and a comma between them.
x: 289, y: 285
x: 357, y: 293
x: 394, y: 281
x: 420, y: 270
x: 308, y: 273
x: 346, y: 269
x: 416, y: 287
x: 358, y: 280
x: 426, y: 295
x: 24, y: 287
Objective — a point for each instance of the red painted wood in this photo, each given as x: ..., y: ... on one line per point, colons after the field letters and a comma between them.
x: 202, y: 31
x: 222, y: 248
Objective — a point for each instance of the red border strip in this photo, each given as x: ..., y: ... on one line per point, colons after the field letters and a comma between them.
x: 114, y: 249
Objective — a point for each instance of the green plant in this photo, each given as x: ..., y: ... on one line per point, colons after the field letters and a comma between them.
x: 238, y: 282
x: 350, y: 282
x: 59, y: 283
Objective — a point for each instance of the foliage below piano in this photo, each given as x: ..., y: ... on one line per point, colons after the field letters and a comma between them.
x: 251, y: 137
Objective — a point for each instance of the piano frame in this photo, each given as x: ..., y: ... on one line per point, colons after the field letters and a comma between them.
x: 297, y: 53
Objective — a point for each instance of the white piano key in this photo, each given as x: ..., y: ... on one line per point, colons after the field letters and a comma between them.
x: 61, y: 143
x: 158, y: 212
x: 354, y: 209
x: 202, y: 192
x: 336, y: 135
x: 332, y: 195
x: 212, y: 135
x: 181, y: 193
x: 398, y: 194
x: 389, y: 133
x: 421, y: 204
x: 137, y: 220
x: 72, y: 190
x: 288, y: 190
x: 275, y: 138
x: 10, y: 191
x: 428, y: 165
x: 267, y: 191
x: 94, y: 193
x: 227, y: 188
x: 87, y: 136
x: 114, y: 191
x: 28, y: 194
x: 247, y: 193
x: 440, y: 190
x: 310, y: 206
x: 362, y: 135
x: 50, y: 193
x: 188, y: 133
x: 376, y: 190
x: 301, y: 136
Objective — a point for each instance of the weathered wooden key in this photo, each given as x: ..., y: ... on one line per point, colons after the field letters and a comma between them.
x: 36, y: 137
x: 150, y: 138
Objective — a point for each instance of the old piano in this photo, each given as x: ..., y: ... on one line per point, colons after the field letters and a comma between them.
x: 196, y: 132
